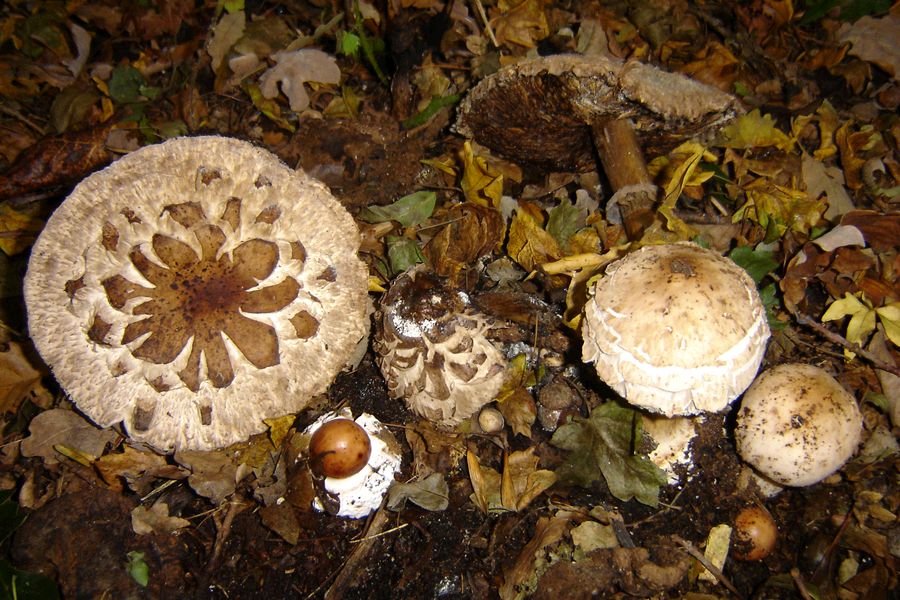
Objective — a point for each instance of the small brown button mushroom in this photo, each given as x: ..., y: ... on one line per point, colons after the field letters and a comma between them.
x: 195, y: 288
x: 491, y: 420
x: 675, y: 329
x: 433, y: 349
x: 797, y: 425
x: 555, y: 112
x: 339, y: 448
x: 755, y: 534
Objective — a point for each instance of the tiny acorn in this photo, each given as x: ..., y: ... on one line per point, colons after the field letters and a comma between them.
x: 755, y: 534
x: 339, y: 448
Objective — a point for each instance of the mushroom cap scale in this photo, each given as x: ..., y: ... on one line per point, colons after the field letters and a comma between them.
x: 675, y: 329
x: 433, y: 349
x: 797, y: 425
x: 538, y: 111
x: 195, y: 288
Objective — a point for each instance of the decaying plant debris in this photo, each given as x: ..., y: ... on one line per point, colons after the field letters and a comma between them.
x: 558, y: 490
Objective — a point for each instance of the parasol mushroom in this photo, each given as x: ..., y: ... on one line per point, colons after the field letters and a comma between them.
x: 555, y: 112
x: 433, y: 349
x: 195, y: 288
x: 675, y: 329
x: 797, y: 425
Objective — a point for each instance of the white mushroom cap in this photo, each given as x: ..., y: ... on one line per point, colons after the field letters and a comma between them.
x: 797, y: 425
x: 362, y: 492
x: 433, y: 349
x: 675, y: 329
x: 195, y: 288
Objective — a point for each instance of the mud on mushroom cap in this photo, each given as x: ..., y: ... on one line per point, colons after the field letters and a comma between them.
x: 675, y: 329
x: 193, y: 289
x: 797, y: 425
x: 433, y: 350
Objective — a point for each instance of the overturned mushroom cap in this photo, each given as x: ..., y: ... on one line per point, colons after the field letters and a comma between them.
x: 675, y: 329
x: 797, y: 425
x: 433, y: 349
x: 540, y: 111
x: 195, y: 288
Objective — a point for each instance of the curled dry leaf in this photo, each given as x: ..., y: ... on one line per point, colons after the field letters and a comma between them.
x: 155, y: 519
x: 18, y: 378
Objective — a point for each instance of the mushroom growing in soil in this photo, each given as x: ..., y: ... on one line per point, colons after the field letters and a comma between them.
x: 555, y: 112
x: 355, y: 461
x: 195, y: 288
x: 797, y: 425
x: 675, y: 329
x: 433, y: 349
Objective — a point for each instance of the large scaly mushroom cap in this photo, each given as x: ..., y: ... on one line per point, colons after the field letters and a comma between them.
x: 540, y: 111
x: 433, y: 349
x: 195, y: 288
x: 675, y: 329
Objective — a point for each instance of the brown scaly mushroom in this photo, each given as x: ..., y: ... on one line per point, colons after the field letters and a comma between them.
x: 555, y: 112
x: 433, y: 349
x: 195, y: 288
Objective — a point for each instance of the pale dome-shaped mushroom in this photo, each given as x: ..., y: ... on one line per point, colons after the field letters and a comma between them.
x: 797, y: 425
x: 675, y: 329
x: 433, y: 349
x: 195, y: 288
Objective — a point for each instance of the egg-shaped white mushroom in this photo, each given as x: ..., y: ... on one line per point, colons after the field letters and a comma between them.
x: 797, y: 425
x: 675, y: 329
x: 360, y: 493
x: 195, y: 288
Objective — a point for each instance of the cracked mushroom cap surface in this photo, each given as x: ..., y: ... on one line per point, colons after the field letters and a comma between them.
x: 675, y: 329
x: 539, y: 111
x: 193, y: 289
x: 797, y: 425
x: 433, y: 349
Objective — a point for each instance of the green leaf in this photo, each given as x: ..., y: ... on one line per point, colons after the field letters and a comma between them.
x: 564, y: 220
x: 770, y: 301
x: 403, y: 253
x: 436, y: 105
x: 125, y: 85
x: 408, y: 211
x: 603, y: 445
x: 758, y: 263
x: 348, y: 44
x: 22, y: 585
x: 137, y: 568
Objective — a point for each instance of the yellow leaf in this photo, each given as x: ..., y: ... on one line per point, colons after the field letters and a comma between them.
x: 889, y: 316
x: 522, y: 23
x: 17, y: 230
x: 754, y: 130
x: 692, y: 154
x: 82, y: 458
x: 848, y: 305
x: 779, y: 208
x: 529, y: 244
x: 279, y: 427
x: 480, y: 184
x: 445, y: 165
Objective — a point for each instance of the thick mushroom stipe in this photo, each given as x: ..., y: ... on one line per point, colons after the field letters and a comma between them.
x: 195, y: 288
x: 433, y: 349
x: 797, y: 425
x: 675, y: 329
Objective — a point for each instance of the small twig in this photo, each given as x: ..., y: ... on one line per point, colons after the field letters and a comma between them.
x: 842, y: 341
x: 801, y: 586
x: 222, y: 531
x: 351, y: 569
x: 487, y: 24
x: 19, y: 116
x: 717, y: 573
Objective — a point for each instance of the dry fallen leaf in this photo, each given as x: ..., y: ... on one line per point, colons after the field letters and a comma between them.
x: 213, y: 474
x: 62, y: 427
x: 18, y: 378
x: 875, y: 40
x: 292, y: 69
x: 225, y: 34
x: 155, y: 519
x: 820, y: 180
